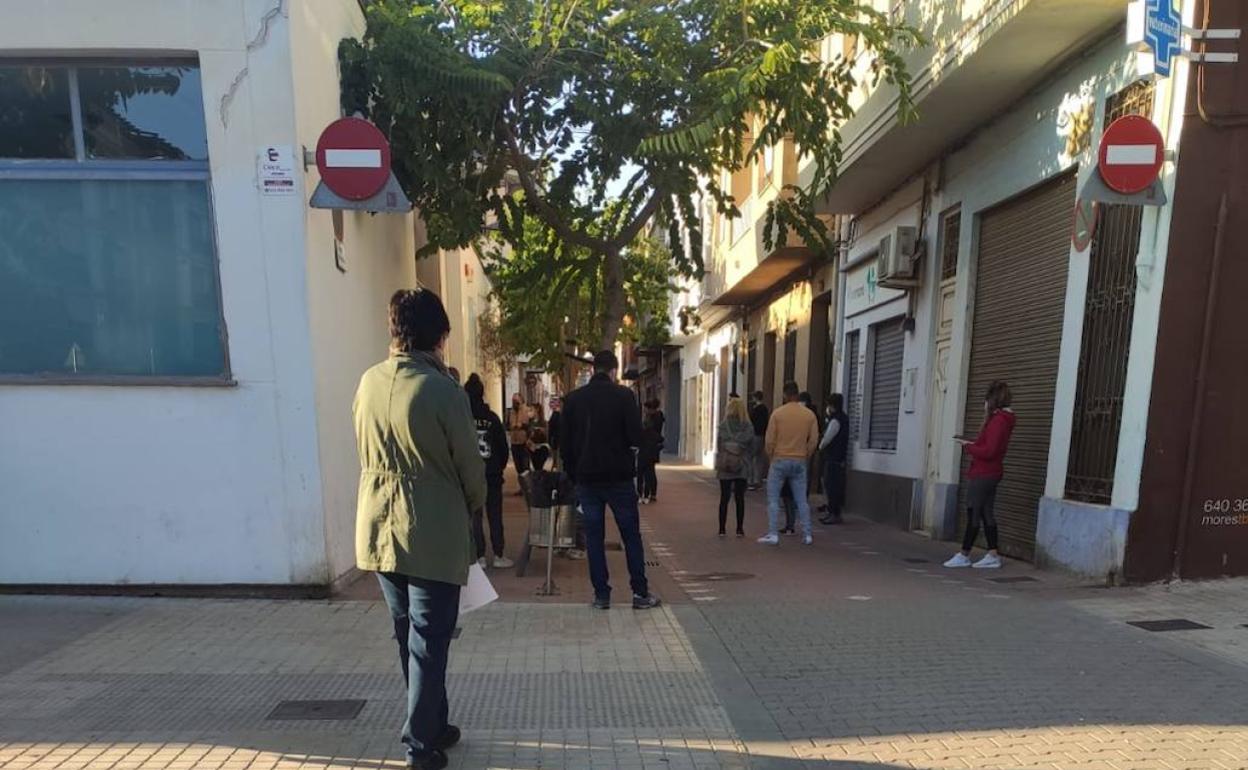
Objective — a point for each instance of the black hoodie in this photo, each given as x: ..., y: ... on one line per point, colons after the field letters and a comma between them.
x: 491, y: 439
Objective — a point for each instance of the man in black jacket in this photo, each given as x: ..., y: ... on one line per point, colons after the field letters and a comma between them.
x: 492, y: 441
x: 601, y: 429
x: 835, y: 446
x: 759, y: 416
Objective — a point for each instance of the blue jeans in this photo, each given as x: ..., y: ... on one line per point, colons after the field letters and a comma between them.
x: 424, y: 613
x: 622, y: 497
x: 794, y: 472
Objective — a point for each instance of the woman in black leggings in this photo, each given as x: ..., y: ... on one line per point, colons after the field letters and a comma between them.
x: 987, y: 453
x: 734, y: 447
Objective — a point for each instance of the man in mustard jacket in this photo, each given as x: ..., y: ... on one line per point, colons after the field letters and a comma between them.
x: 421, y: 477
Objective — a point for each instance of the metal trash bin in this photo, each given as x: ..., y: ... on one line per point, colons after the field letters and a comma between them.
x: 565, y: 526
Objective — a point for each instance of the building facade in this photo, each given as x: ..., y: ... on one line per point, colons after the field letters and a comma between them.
x: 958, y: 268
x: 182, y: 335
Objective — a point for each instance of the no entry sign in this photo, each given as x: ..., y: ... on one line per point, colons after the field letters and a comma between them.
x: 1131, y: 153
x: 353, y: 157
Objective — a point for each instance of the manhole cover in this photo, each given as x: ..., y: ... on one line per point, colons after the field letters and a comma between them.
x: 317, y: 709
x: 720, y: 576
x: 1178, y: 624
x: 917, y: 561
x: 1015, y: 579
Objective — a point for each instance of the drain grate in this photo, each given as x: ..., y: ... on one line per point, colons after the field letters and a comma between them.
x: 317, y: 709
x: 1015, y: 579
x: 917, y: 561
x: 719, y: 576
x: 651, y: 563
x: 1177, y: 624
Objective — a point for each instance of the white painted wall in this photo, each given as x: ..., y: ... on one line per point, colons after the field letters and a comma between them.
x: 903, y: 208
x: 346, y: 311
x: 182, y: 485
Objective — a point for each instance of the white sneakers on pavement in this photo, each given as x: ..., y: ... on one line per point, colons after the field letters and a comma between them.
x: 990, y: 561
x: 808, y: 540
x: 502, y: 562
x: 958, y: 561
x: 769, y: 540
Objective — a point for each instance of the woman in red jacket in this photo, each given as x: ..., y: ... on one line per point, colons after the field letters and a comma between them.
x: 987, y: 453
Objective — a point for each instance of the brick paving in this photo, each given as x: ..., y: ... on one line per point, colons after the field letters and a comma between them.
x: 856, y: 652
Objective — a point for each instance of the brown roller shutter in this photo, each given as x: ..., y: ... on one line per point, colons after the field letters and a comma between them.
x: 1024, y: 253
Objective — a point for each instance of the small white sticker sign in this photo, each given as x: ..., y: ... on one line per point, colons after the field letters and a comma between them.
x: 276, y: 165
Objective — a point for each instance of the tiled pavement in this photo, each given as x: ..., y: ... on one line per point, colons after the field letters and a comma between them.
x: 857, y: 652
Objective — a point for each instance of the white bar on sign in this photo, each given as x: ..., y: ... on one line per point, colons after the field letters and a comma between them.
x: 1131, y: 155
x: 354, y: 158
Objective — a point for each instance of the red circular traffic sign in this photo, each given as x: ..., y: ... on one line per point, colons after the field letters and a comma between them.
x: 1131, y: 153
x: 353, y: 157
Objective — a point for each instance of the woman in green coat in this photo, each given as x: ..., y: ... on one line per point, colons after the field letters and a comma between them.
x: 421, y: 476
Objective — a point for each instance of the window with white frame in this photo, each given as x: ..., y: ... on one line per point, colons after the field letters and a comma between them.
x: 108, y: 266
x: 884, y: 362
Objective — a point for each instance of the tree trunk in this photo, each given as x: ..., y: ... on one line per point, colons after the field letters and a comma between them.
x: 614, y: 302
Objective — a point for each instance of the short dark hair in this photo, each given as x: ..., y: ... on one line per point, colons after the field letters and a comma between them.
x: 998, y: 395
x: 790, y: 389
x: 418, y: 321
x: 605, y: 361
x: 837, y: 401
x: 805, y: 397
x: 758, y: 395
x: 474, y: 387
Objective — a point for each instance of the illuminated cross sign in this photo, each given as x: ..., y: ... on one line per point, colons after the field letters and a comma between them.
x: 1162, y: 30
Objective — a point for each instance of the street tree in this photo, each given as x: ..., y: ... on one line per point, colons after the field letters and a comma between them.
x: 581, y: 104
x: 550, y: 297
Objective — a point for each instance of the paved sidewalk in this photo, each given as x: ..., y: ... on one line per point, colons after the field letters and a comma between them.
x: 857, y: 652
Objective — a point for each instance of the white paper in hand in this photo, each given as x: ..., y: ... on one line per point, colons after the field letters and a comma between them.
x: 478, y: 593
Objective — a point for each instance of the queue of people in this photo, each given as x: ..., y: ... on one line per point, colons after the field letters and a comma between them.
x: 432, y: 456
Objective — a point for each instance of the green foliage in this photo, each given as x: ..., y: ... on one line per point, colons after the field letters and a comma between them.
x: 550, y: 297
x: 569, y: 99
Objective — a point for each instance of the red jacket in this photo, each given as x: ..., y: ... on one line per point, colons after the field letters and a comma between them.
x: 988, y: 451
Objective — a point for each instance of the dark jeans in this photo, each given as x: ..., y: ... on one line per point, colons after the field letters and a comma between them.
x: 622, y: 497
x: 520, y: 458
x: 424, y: 613
x: 647, y: 480
x: 981, y: 499
x: 734, y: 488
x: 493, y: 510
x: 834, y: 486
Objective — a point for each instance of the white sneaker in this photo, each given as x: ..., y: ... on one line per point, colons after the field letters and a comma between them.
x: 502, y: 562
x: 483, y: 562
x: 808, y: 540
x: 959, y: 560
x: 770, y: 540
x: 990, y: 561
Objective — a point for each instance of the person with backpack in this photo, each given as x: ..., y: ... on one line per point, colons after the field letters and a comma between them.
x: 493, y: 444
x: 734, y: 451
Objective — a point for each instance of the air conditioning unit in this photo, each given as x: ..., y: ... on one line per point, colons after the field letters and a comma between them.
x: 895, y: 264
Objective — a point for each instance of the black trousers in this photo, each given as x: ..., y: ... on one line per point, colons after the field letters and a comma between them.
x: 834, y: 486
x: 981, y: 499
x: 731, y: 488
x: 520, y: 457
x: 647, y: 480
x: 494, y: 511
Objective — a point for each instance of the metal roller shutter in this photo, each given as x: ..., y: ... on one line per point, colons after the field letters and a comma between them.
x: 853, y: 394
x: 1024, y: 254
x: 888, y: 346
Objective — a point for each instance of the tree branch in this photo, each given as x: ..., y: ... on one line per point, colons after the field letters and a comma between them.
x: 539, y: 206
x: 627, y: 235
